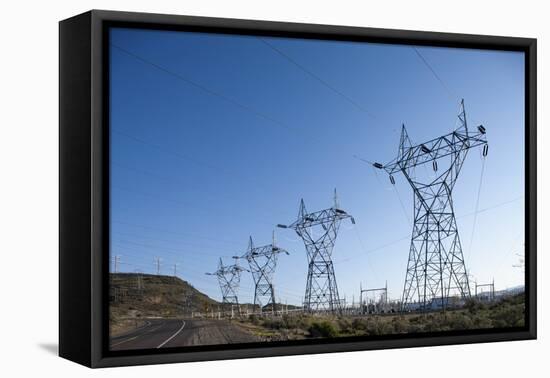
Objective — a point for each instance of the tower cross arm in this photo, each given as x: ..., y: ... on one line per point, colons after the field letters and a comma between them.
x: 320, y: 217
x: 264, y: 251
x: 432, y: 150
x: 234, y: 269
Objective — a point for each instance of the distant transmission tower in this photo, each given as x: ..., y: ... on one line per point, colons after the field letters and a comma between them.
x: 229, y: 278
x: 318, y: 230
x: 116, y: 263
x: 263, y: 261
x: 436, y: 268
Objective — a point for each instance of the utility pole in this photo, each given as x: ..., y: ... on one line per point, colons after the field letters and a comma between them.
x: 318, y: 231
x: 157, y: 263
x: 116, y: 263
x: 139, y: 280
x: 345, y: 304
x: 361, y: 298
x: 436, y: 268
x: 263, y: 262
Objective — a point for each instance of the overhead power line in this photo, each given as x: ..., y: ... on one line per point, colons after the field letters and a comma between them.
x: 316, y: 77
x: 214, y: 194
x: 207, y: 90
x: 492, y: 207
x: 184, y: 234
x: 452, y: 96
x: 168, y: 151
x: 406, y: 237
x: 177, y: 154
x: 477, y: 208
x: 177, y: 202
x: 177, y: 241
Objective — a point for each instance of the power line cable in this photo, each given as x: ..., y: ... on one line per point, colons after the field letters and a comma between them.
x: 370, y: 251
x: 316, y: 77
x: 211, y: 193
x: 177, y: 233
x: 491, y: 207
x: 476, y: 208
x: 208, y: 90
x: 187, y: 158
x: 180, y: 242
x: 379, y: 248
x: 363, y: 249
x: 168, y: 151
x: 452, y: 96
x: 175, y: 251
x: 181, y: 203
x: 402, y: 206
x: 394, y: 187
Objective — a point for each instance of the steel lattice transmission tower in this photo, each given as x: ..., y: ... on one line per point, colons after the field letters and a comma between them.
x: 229, y: 278
x: 436, y: 269
x: 318, y: 230
x: 263, y: 261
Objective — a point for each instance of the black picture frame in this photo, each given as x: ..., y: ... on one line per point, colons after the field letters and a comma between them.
x: 84, y: 185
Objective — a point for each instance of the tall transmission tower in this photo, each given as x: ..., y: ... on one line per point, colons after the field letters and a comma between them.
x: 229, y: 278
x: 263, y: 261
x: 318, y: 230
x: 436, y: 268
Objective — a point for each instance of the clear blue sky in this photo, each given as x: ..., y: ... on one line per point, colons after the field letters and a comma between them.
x: 217, y: 137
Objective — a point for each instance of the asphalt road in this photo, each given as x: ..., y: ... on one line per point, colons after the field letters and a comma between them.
x: 169, y: 333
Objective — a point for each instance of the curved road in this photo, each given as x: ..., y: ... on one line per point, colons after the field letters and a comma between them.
x: 169, y: 333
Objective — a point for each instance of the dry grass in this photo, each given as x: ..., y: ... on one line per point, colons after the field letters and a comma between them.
x: 509, y: 312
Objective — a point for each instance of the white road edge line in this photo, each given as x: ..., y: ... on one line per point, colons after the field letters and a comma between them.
x: 174, y: 335
x: 132, y: 338
x: 124, y: 341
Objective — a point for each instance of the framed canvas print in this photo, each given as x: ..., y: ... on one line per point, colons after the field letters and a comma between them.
x: 234, y: 188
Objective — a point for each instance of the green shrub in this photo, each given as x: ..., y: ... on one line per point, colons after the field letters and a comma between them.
x: 254, y: 319
x: 323, y: 328
x: 380, y: 327
x: 345, y: 325
x: 508, y: 316
x: 482, y: 321
x: 359, y: 324
x: 274, y: 323
x: 458, y: 321
x: 291, y: 322
x: 474, y: 306
x: 400, y: 325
